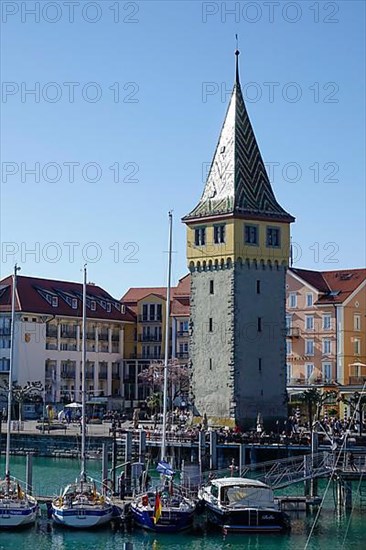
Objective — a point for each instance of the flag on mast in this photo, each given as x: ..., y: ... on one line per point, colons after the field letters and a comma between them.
x: 157, y: 508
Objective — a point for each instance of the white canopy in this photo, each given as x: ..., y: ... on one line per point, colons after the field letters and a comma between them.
x: 74, y: 405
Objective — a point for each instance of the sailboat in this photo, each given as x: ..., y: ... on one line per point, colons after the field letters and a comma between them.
x: 17, y: 508
x: 81, y: 505
x: 167, y: 509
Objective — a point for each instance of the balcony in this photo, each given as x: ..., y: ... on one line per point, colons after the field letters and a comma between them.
x: 68, y: 373
x: 103, y: 348
x: 150, y: 337
x: 51, y: 331
x: 69, y: 333
x: 146, y: 357
x: 150, y: 319
x: 51, y: 346
x: 357, y: 380
x: 182, y: 333
x: 292, y: 332
x: 182, y: 355
x: 320, y: 381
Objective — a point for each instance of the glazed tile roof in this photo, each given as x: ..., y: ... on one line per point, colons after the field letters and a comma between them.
x: 237, y: 183
x: 34, y: 295
x: 334, y: 286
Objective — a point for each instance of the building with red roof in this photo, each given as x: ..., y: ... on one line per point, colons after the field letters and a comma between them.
x: 48, y: 337
x: 149, y: 306
x: 326, y: 329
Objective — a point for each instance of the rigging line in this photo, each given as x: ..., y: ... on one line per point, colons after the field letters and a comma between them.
x: 325, y: 492
x: 350, y: 516
x: 333, y: 470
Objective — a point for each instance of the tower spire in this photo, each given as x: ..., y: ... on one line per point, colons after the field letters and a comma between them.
x: 237, y: 53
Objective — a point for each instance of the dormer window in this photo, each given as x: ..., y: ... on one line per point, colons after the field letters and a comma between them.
x: 93, y: 305
x: 109, y: 308
x: 200, y: 236
x: 74, y: 303
x: 54, y: 302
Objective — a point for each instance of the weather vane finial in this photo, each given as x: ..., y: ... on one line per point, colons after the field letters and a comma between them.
x: 237, y: 53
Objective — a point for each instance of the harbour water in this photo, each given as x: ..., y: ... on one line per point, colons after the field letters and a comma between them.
x: 334, y: 529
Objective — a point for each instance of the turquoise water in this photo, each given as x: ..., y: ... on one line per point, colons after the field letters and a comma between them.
x: 333, y: 530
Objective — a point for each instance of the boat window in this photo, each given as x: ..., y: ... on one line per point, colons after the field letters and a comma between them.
x: 250, y: 496
x: 214, y: 491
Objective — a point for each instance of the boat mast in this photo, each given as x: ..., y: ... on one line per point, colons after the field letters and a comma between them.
x: 166, y: 354
x: 83, y: 366
x: 12, y: 332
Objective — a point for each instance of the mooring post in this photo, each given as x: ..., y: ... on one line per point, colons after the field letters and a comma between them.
x: 242, y: 456
x: 253, y: 455
x: 142, y: 445
x: 128, y: 447
x: 114, y: 460
x: 314, y: 452
x: 306, y: 475
x: 29, y: 474
x: 213, y: 450
x: 104, y: 461
x: 201, y: 448
x: 348, y: 494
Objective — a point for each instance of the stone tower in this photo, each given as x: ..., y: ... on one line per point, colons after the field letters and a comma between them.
x: 238, y: 244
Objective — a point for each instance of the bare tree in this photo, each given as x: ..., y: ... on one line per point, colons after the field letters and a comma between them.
x: 30, y: 393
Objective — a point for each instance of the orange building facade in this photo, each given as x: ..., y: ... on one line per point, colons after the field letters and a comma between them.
x: 326, y: 330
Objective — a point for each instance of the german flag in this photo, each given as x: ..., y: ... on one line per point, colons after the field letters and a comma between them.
x: 157, y: 508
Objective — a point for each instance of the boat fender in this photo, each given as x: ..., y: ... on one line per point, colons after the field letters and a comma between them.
x: 145, y: 500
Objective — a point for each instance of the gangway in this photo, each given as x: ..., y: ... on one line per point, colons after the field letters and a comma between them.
x: 282, y: 473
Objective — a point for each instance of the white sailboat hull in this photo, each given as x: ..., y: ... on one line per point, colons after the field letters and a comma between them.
x: 82, y: 517
x: 14, y: 514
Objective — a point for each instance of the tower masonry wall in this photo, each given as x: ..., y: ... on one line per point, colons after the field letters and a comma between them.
x: 212, y: 346
x: 260, y: 344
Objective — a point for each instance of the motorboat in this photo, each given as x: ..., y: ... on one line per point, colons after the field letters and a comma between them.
x: 238, y: 504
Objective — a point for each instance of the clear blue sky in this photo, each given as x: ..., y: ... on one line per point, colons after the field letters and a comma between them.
x: 316, y: 144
